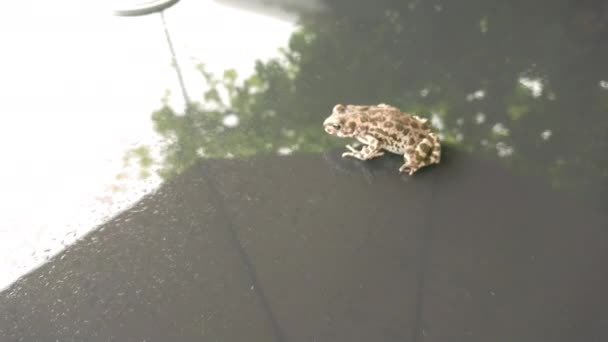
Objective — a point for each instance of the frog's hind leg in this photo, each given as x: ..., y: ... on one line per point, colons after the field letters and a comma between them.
x: 424, y: 154
x: 435, y: 155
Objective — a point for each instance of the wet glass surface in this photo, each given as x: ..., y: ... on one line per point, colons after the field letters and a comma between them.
x: 227, y: 213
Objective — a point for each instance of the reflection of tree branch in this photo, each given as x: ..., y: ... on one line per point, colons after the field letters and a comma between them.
x: 175, y: 62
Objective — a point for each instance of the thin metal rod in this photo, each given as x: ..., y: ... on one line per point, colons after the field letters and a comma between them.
x: 175, y: 63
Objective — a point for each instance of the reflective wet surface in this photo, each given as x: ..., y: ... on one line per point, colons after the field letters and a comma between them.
x: 238, y: 220
x: 77, y: 108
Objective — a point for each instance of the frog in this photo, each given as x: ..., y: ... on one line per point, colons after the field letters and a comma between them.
x: 382, y: 128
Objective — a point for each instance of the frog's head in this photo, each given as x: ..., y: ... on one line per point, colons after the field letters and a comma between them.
x: 338, y: 123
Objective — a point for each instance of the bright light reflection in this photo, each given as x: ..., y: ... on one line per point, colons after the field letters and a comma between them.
x: 78, y: 86
x: 534, y: 85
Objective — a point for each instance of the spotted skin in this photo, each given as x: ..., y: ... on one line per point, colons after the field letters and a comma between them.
x: 385, y: 128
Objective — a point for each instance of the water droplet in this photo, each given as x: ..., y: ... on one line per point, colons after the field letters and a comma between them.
x: 546, y: 134
x: 284, y: 151
x: 230, y: 120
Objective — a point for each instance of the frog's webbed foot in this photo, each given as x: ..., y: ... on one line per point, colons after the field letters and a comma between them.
x: 352, y: 149
x: 409, y: 166
x: 408, y: 169
x: 353, y: 153
x: 365, y: 153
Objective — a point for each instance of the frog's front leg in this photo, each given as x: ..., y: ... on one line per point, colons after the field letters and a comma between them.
x: 366, y: 153
x: 373, y: 150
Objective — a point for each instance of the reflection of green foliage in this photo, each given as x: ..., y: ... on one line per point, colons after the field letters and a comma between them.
x: 427, y: 58
x: 267, y: 119
x: 143, y: 157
